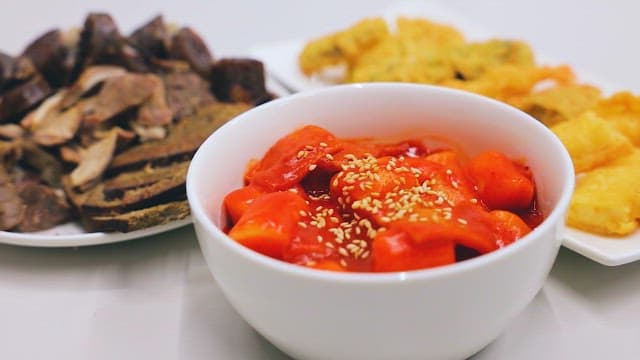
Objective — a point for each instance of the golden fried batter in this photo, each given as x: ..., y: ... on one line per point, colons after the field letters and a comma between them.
x: 599, y: 134
x: 560, y: 103
x: 591, y: 141
x: 343, y: 47
x: 623, y: 111
x: 607, y: 200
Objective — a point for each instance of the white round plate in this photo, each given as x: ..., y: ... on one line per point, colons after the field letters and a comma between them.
x: 72, y: 234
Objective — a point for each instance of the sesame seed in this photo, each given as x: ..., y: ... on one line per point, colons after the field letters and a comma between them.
x: 319, y: 238
x: 302, y: 213
x: 449, y: 172
x: 323, y: 144
x: 329, y: 245
x: 473, y: 201
x: 343, y: 263
x: 302, y: 225
x: 312, y: 167
x: 329, y: 156
x: 342, y: 251
x: 462, y: 221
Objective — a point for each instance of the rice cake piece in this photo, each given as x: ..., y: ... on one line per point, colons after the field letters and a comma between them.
x: 591, y: 141
x: 607, y: 200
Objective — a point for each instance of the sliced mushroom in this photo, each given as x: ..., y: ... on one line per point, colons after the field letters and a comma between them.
x: 58, y: 128
x: 146, y: 133
x: 11, y: 131
x: 89, y: 78
x: 39, y: 114
x: 95, y: 160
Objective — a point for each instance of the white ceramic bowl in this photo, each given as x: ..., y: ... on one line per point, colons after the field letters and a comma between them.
x: 449, y: 312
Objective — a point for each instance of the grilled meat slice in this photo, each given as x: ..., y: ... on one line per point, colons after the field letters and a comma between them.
x: 138, y: 219
x: 12, y: 208
x: 186, y: 92
x: 183, y: 139
x: 46, y: 206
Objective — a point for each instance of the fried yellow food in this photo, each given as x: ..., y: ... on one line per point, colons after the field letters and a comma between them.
x: 607, y: 200
x: 510, y: 83
x: 423, y: 51
x: 472, y: 60
x: 591, y: 141
x: 401, y: 58
x: 343, y: 47
x: 623, y: 111
x: 602, y: 135
x: 418, y: 52
x: 560, y: 103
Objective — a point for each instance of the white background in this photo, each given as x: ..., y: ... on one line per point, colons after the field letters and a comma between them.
x: 155, y: 299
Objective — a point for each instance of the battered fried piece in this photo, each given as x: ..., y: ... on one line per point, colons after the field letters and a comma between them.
x: 623, y: 111
x: 607, y: 200
x: 474, y: 59
x: 439, y: 34
x: 343, y: 47
x: 591, y: 141
x: 561, y: 103
x: 510, y: 83
x: 401, y: 58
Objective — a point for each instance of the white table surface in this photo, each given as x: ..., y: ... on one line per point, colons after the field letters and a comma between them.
x: 154, y: 298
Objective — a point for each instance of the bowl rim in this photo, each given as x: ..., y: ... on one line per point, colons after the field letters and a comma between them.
x: 200, y: 216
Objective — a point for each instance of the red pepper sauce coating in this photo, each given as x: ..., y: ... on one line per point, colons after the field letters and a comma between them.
x: 360, y: 206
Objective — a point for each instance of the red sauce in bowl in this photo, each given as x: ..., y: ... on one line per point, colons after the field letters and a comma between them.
x: 353, y: 205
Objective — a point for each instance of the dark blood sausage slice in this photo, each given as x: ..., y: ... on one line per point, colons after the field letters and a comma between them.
x: 14, y: 71
x: 239, y: 80
x: 152, y: 38
x: 52, y: 58
x: 22, y: 98
x: 6, y: 69
x: 101, y: 43
x: 188, y: 46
